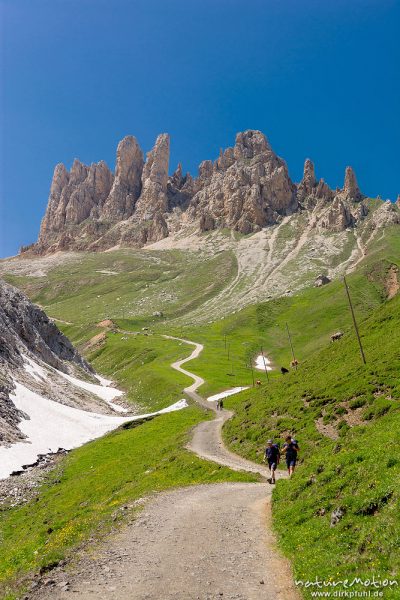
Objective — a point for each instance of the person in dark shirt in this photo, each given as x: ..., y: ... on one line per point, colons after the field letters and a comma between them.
x: 290, y: 449
x: 272, y: 456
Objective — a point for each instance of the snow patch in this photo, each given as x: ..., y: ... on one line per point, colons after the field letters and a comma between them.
x: 227, y: 393
x: 259, y: 363
x: 52, y: 425
x: 103, y: 380
x: 107, y: 272
x: 103, y: 391
x: 35, y: 370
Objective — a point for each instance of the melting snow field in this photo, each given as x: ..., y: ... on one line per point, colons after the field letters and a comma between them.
x: 53, y: 425
x: 102, y: 391
x: 227, y: 393
x: 259, y: 364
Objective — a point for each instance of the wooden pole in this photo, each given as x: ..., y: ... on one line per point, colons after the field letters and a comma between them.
x: 354, y: 320
x: 265, y: 364
x: 291, y: 346
x: 228, y: 351
x: 225, y: 341
x: 252, y: 373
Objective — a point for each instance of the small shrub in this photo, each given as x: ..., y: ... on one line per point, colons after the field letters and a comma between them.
x: 357, y: 403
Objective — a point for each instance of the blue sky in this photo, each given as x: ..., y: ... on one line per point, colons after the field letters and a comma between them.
x: 319, y: 77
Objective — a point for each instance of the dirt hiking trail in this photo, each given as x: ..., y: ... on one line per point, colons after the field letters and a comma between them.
x: 205, y: 542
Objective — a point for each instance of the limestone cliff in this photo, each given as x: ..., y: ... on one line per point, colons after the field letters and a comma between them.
x: 246, y: 188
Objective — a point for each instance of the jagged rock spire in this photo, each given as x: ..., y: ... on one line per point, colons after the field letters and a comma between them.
x: 308, y: 183
x: 127, y: 183
x: 154, y: 179
x: 250, y: 143
x: 59, y: 182
x: 152, y: 206
x: 351, y: 191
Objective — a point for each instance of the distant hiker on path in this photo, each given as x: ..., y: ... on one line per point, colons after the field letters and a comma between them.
x: 218, y: 404
x: 272, y: 456
x: 290, y: 449
x: 221, y: 404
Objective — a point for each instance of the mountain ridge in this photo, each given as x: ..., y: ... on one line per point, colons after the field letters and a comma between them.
x: 246, y: 189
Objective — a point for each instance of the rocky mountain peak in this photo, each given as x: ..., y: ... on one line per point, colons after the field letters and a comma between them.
x: 129, y: 160
x: 250, y: 143
x: 60, y: 179
x: 246, y: 188
x: 156, y: 166
x: 308, y: 183
x: 177, y: 176
x: 127, y: 184
x: 78, y: 172
x: 350, y: 189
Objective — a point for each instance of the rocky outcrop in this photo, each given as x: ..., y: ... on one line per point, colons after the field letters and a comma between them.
x: 152, y: 206
x: 337, y: 217
x: 74, y: 197
x: 351, y: 190
x: 307, y: 185
x: 246, y: 188
x: 179, y: 190
x: 153, y: 198
x: 309, y: 190
x: 387, y: 213
x: 127, y: 185
x: 26, y: 330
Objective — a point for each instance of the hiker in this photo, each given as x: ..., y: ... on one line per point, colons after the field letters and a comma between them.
x: 272, y: 456
x: 290, y: 449
x: 218, y: 404
x: 221, y: 404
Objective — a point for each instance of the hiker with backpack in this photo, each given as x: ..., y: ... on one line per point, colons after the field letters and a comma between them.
x: 272, y: 456
x: 290, y: 449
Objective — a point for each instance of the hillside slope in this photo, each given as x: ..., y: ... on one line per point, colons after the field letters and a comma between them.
x: 26, y: 333
x: 346, y: 417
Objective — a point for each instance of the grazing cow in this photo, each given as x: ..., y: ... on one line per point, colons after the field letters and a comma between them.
x: 284, y: 370
x: 258, y: 382
x: 294, y: 363
x: 336, y: 336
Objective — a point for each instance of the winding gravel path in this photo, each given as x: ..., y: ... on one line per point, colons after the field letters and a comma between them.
x: 206, y: 440
x: 204, y: 542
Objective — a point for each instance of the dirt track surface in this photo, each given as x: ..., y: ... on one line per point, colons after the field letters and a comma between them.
x: 203, y: 542
x: 206, y: 440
